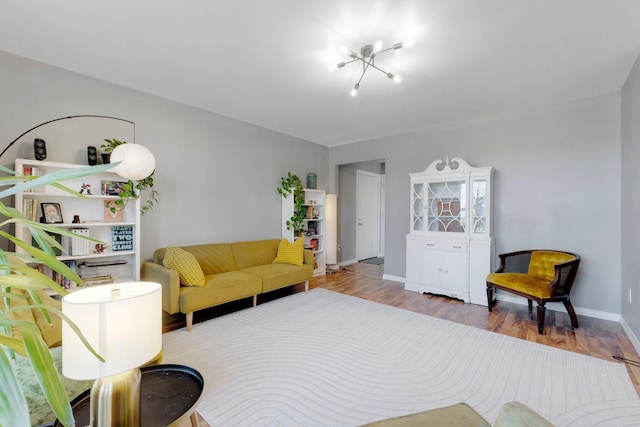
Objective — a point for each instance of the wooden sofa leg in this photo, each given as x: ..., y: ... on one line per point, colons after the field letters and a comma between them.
x: 541, y: 312
x: 306, y: 286
x: 572, y: 312
x: 255, y: 300
x: 490, y: 298
x: 189, y: 321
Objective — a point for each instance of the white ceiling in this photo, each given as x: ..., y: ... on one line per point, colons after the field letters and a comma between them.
x: 265, y: 61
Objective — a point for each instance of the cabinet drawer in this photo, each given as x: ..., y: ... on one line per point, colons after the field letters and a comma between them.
x: 446, y: 246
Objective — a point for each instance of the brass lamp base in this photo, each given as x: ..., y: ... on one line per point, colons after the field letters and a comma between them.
x: 115, y: 400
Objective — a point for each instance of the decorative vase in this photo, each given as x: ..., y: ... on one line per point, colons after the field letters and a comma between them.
x: 311, y: 180
x: 106, y: 158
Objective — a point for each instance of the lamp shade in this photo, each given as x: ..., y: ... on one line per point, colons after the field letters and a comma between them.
x: 125, y: 330
x: 136, y: 161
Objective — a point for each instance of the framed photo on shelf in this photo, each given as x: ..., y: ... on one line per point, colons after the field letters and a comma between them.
x: 111, y: 188
x: 52, y: 213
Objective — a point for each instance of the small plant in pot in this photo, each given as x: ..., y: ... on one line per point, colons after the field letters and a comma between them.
x: 291, y: 184
x: 108, y: 148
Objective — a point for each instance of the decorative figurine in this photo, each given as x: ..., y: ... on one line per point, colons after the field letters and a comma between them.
x: 86, y: 187
x: 76, y: 219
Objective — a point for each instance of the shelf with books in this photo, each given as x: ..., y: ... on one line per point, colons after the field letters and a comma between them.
x: 87, y: 212
x: 314, y: 225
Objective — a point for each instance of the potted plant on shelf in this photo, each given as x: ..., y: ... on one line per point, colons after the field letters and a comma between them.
x: 131, y: 189
x: 291, y: 184
x: 15, y: 274
x: 108, y: 148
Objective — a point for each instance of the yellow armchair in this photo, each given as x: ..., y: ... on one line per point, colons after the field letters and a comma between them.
x: 538, y: 275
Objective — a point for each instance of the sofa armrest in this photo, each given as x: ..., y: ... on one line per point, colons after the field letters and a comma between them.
x: 170, y: 282
x: 309, y: 258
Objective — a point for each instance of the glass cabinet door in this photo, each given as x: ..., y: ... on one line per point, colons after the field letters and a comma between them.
x: 417, y: 208
x: 479, y: 201
x: 447, y: 206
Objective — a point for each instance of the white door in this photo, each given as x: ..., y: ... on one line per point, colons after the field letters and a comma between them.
x: 367, y: 214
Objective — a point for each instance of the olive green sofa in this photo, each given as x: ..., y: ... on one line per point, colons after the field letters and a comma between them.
x: 232, y: 271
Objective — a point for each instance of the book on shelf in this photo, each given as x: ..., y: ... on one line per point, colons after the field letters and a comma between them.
x: 30, y: 209
x: 34, y: 171
x: 78, y: 245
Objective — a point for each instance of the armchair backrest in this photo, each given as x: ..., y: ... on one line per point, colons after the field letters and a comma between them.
x: 543, y: 263
x: 559, y: 268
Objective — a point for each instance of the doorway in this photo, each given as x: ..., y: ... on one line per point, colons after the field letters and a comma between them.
x: 348, y: 199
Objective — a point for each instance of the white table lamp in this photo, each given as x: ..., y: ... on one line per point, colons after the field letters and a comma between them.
x: 123, y: 323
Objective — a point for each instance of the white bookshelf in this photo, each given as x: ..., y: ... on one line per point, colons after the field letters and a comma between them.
x: 121, y: 265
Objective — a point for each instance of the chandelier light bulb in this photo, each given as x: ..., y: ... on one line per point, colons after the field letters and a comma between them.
x: 377, y: 46
x: 344, y: 50
x: 354, y: 91
x: 332, y: 67
x: 397, y: 79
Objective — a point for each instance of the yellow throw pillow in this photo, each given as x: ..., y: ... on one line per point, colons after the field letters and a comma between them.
x: 290, y: 253
x: 186, y: 264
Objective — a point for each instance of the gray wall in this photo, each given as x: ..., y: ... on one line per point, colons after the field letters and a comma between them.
x: 630, y: 206
x: 216, y: 176
x: 557, y: 185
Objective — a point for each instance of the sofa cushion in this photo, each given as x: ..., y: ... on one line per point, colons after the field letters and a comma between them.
x: 276, y: 276
x: 219, y: 289
x: 290, y: 253
x: 253, y: 253
x: 186, y: 264
x: 213, y: 258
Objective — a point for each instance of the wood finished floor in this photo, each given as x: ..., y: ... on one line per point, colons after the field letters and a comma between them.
x: 594, y: 337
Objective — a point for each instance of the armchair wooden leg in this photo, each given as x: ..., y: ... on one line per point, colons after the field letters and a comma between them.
x: 490, y: 298
x: 541, y: 312
x: 530, y: 303
x: 572, y: 312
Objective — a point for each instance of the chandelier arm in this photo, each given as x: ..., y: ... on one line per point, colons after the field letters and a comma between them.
x: 379, y: 69
x: 365, y: 68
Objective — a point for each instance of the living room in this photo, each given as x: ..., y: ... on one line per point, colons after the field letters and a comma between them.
x: 565, y: 171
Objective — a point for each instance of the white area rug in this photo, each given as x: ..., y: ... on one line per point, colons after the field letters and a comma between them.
x: 328, y: 359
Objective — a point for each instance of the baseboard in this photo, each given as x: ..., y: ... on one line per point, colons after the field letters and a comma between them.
x: 393, y: 278
x: 632, y: 337
x: 557, y: 306
x: 348, y: 262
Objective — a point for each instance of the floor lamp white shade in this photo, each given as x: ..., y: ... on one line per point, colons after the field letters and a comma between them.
x: 136, y: 161
x: 331, y: 232
x: 126, y: 330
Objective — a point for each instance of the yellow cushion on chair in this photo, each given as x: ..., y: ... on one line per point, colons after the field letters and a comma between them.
x: 290, y: 253
x: 186, y: 264
x: 525, y: 283
x: 542, y: 263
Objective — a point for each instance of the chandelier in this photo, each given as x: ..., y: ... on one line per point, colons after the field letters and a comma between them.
x: 368, y: 54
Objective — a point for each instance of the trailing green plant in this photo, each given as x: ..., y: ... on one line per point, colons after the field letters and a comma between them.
x: 291, y: 184
x: 15, y: 274
x: 132, y: 189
